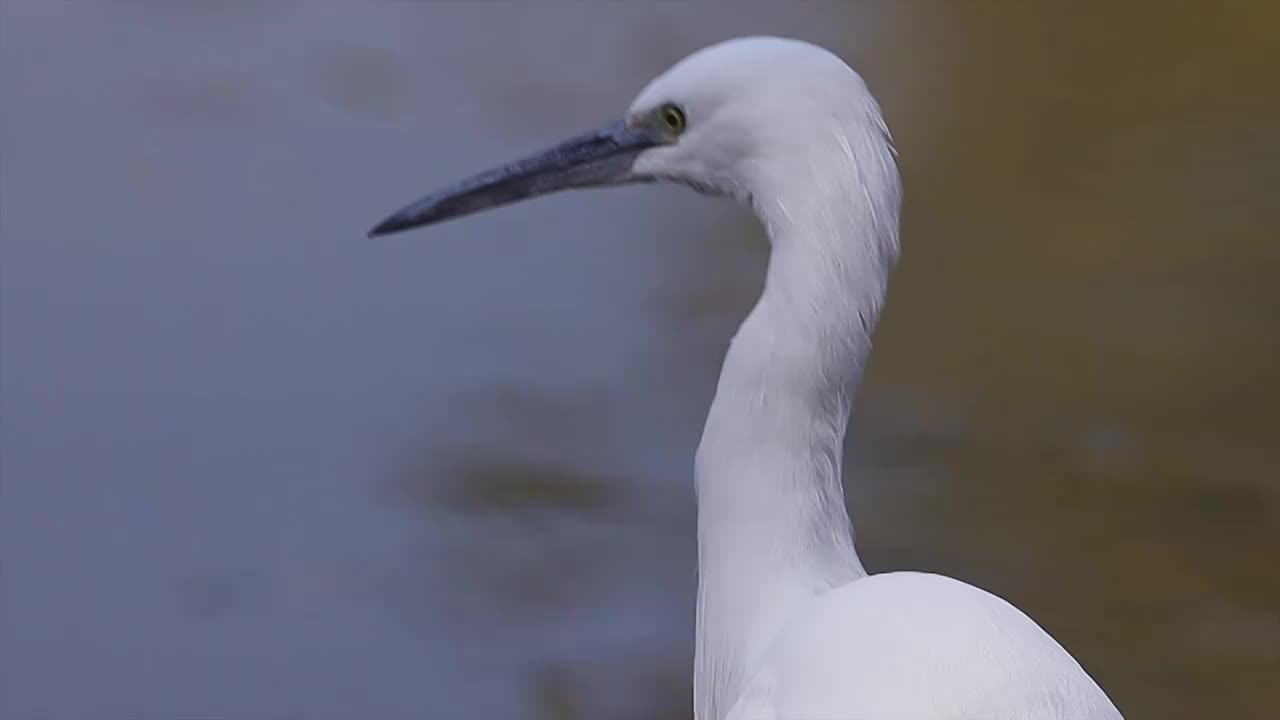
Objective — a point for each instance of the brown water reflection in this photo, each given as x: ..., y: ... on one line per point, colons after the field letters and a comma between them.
x: 1087, y: 315
x: 1092, y: 283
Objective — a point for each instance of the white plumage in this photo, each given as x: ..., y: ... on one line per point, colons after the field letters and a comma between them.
x: 789, y: 624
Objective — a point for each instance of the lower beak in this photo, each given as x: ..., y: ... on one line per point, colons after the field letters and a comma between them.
x: 600, y: 157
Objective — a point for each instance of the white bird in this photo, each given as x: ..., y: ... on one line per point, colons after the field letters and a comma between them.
x: 789, y: 624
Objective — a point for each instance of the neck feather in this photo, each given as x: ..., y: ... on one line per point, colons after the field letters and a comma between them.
x: 772, y: 526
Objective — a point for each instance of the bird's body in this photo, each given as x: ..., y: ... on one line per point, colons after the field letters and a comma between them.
x: 915, y: 645
x: 789, y: 624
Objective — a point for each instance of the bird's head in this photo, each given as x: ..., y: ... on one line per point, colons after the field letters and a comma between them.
x: 732, y: 119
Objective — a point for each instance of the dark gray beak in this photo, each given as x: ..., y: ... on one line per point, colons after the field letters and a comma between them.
x: 600, y: 157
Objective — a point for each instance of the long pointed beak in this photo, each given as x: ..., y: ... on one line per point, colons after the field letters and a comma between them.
x: 601, y: 157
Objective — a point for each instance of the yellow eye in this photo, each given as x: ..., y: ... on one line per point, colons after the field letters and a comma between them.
x: 672, y: 118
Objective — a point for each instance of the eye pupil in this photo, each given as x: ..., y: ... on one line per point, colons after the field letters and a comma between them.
x: 673, y: 118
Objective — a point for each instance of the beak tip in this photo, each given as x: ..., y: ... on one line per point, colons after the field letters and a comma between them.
x: 386, y: 227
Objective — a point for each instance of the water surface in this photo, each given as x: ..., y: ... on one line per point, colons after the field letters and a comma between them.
x: 256, y: 466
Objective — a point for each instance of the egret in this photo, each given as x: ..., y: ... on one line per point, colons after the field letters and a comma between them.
x: 789, y: 624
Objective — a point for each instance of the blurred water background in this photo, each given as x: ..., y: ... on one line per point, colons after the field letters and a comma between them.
x: 256, y: 466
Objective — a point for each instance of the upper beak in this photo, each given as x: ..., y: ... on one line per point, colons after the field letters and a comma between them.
x: 601, y: 157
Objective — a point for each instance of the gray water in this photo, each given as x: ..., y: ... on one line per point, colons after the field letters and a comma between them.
x: 255, y: 465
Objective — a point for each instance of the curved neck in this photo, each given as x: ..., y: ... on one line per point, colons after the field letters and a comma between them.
x: 772, y: 526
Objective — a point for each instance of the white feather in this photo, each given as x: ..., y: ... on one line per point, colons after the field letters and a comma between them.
x: 789, y: 625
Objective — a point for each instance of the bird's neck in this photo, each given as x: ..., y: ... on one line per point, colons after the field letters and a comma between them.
x: 773, y: 530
